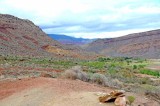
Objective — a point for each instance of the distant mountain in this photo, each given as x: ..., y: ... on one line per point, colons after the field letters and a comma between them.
x: 144, y: 44
x: 64, y: 39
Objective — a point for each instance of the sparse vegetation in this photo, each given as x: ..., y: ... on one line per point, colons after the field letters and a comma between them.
x: 99, y: 79
x: 134, y: 66
x: 153, y: 94
x: 112, y: 72
x: 27, y: 52
x: 76, y: 73
x: 131, y: 99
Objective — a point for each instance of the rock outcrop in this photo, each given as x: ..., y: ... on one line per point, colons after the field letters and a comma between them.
x: 118, y: 97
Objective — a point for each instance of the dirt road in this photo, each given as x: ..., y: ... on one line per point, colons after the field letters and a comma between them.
x: 56, y: 92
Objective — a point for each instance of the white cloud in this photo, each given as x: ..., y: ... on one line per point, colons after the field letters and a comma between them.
x: 81, y: 18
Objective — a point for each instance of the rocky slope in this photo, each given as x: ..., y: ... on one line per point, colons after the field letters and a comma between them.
x: 144, y: 44
x: 23, y: 38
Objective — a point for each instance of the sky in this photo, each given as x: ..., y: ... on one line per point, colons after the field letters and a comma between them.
x: 87, y: 18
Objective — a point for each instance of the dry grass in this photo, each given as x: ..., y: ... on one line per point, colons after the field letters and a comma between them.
x: 76, y: 73
x: 153, y: 95
x: 99, y: 79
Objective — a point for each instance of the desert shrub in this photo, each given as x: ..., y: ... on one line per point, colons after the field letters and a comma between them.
x: 127, y: 58
x: 70, y: 74
x: 82, y: 76
x: 116, y: 83
x: 131, y: 99
x: 146, y: 88
x: 112, y: 65
x: 144, y: 80
x: 98, y: 78
x: 134, y: 66
x: 140, y: 60
x: 141, y: 66
x: 102, y: 59
x: 154, y: 94
x: 105, y: 80
x: 128, y: 62
x: 76, y: 73
x: 122, y: 74
x: 111, y: 71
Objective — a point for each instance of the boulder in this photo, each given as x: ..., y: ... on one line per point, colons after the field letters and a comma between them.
x: 112, y: 96
x: 120, y: 101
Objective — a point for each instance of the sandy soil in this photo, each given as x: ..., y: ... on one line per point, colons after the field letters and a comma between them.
x: 57, y: 92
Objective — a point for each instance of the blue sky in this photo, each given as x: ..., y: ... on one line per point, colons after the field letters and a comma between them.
x: 87, y: 18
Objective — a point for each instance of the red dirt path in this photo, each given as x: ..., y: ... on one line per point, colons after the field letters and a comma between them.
x: 59, y: 87
x: 8, y: 88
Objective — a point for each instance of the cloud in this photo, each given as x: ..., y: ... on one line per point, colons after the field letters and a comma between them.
x: 87, y: 18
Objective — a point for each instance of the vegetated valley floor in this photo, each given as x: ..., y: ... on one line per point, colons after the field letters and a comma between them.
x: 28, y: 81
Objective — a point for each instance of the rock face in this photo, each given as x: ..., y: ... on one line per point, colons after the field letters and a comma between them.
x: 22, y: 37
x: 145, y: 44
